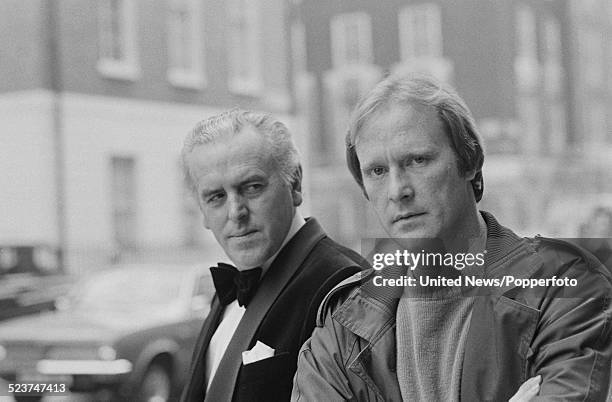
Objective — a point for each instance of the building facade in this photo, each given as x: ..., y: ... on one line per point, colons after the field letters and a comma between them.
x: 519, y: 64
x: 95, y: 101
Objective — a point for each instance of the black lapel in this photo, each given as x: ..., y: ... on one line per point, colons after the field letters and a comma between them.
x: 286, y: 264
x: 196, y: 388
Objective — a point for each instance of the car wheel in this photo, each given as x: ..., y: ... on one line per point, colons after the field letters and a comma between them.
x: 156, y: 384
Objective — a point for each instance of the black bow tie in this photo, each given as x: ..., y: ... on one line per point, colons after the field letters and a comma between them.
x: 232, y: 284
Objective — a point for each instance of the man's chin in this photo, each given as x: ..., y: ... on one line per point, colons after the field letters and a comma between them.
x: 409, y: 231
x: 247, y: 260
x: 414, y: 227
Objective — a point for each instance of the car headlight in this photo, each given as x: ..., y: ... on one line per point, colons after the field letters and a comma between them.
x: 107, y: 353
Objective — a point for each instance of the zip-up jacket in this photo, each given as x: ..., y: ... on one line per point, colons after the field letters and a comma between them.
x: 562, y: 333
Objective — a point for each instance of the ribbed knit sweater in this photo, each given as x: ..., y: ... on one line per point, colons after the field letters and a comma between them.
x: 431, y: 330
x: 430, y: 335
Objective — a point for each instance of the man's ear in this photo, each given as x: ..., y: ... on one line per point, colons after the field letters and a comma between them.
x: 296, y: 187
x: 475, y: 180
x: 478, y: 185
x: 470, y: 174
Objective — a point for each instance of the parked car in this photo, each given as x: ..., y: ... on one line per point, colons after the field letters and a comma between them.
x: 121, y: 334
x: 31, y: 278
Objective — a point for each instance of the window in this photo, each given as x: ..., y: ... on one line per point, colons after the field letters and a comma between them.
x: 526, y: 41
x: 552, y: 38
x: 352, y: 75
x: 420, y: 31
x: 117, y: 39
x: 592, y: 57
x: 420, y: 42
x: 553, y: 80
x: 244, y: 49
x: 298, y: 48
x: 185, y: 48
x: 526, y: 65
x: 343, y: 88
x: 123, y: 201
x: 351, y: 39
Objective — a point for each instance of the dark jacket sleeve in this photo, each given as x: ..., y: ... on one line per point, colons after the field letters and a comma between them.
x: 572, y: 349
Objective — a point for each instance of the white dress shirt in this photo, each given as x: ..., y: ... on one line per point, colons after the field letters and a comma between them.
x: 233, y: 313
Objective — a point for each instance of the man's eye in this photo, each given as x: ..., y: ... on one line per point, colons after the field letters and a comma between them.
x: 253, y: 188
x: 418, y: 160
x: 377, y: 171
x: 215, y: 197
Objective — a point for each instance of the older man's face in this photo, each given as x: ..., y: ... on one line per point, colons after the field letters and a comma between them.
x: 245, y: 202
x: 410, y: 173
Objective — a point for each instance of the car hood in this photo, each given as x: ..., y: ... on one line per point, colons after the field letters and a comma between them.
x: 81, y: 326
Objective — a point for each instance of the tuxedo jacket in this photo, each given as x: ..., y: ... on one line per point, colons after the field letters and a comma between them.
x: 281, y: 314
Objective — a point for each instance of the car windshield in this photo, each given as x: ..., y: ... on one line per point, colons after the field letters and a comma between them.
x: 119, y: 289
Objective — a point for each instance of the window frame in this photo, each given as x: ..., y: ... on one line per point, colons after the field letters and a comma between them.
x: 240, y: 46
x: 431, y: 14
x: 124, y: 207
x: 127, y: 66
x: 339, y: 39
x: 193, y: 77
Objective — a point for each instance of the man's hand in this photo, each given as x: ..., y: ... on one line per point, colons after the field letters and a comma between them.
x: 528, y: 390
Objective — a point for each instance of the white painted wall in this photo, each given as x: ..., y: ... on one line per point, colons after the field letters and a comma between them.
x: 27, y: 187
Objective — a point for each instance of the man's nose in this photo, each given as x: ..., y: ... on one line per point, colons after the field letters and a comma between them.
x: 399, y: 186
x: 237, y: 208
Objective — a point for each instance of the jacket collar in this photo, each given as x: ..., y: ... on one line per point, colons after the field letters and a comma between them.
x: 501, y: 241
x: 508, y: 254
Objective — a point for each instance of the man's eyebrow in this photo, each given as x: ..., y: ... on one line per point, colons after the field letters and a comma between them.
x: 248, y: 179
x: 421, y: 152
x: 370, y: 165
x: 253, y: 177
x: 209, y: 191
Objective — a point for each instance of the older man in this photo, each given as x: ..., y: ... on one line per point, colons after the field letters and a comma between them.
x: 245, y: 172
x: 413, y: 149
